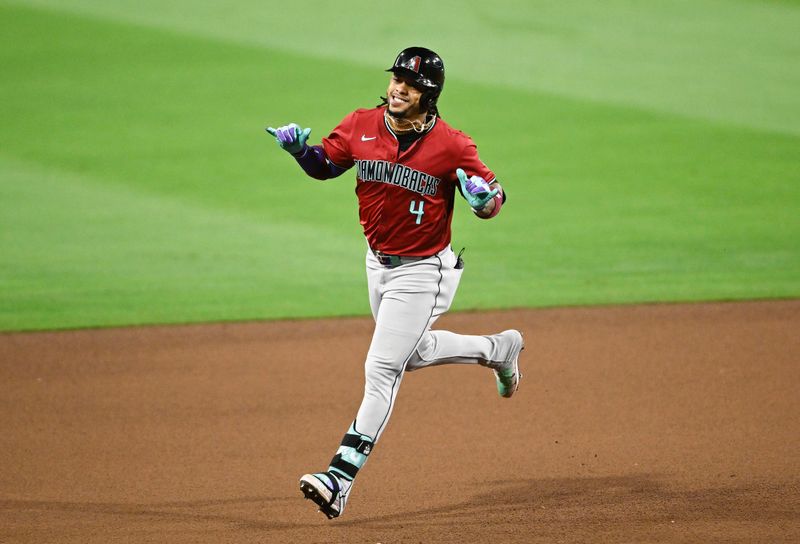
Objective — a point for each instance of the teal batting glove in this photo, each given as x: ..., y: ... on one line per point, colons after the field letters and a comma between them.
x: 291, y: 137
x: 475, y: 190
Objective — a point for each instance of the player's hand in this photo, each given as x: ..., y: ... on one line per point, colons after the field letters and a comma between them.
x: 291, y: 137
x: 475, y: 190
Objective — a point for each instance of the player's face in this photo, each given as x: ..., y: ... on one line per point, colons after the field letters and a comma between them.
x: 403, y: 97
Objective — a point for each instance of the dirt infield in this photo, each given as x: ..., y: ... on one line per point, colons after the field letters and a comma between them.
x: 664, y: 423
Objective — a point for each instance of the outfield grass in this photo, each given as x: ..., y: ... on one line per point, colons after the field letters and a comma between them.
x: 650, y: 154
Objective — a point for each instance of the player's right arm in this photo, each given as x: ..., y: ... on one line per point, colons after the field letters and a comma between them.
x: 312, y: 159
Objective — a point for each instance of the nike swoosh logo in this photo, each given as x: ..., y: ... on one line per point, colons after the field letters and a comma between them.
x: 365, y: 139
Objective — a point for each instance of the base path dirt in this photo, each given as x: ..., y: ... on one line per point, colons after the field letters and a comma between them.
x: 659, y: 423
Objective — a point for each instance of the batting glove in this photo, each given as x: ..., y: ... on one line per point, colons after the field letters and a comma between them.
x: 291, y: 138
x: 475, y: 190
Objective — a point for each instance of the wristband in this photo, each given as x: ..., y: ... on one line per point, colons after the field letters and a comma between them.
x: 498, y: 203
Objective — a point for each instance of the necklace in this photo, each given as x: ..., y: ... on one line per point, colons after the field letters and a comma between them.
x: 405, y: 125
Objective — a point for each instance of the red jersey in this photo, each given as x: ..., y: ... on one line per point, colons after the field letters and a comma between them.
x: 405, y: 198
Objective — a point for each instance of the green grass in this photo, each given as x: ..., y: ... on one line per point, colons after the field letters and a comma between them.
x: 653, y: 158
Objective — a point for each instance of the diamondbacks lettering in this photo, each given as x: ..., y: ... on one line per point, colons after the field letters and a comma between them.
x: 397, y: 174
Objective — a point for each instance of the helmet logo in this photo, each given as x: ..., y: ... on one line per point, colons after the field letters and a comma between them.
x: 412, y: 64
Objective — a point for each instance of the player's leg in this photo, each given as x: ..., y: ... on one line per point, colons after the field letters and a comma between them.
x: 405, y: 301
x: 444, y: 347
x: 410, y: 298
x: 500, y: 351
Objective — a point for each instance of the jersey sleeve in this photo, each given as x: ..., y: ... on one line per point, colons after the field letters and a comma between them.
x: 472, y: 164
x: 337, y: 144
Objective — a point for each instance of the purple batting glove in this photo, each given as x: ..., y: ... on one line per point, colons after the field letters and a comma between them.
x: 477, y: 185
x: 475, y: 189
x: 291, y: 137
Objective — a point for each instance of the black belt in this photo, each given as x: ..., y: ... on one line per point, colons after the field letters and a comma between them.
x: 392, y: 261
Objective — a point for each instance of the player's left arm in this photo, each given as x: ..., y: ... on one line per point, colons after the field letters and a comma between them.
x: 485, y: 199
x: 478, y: 184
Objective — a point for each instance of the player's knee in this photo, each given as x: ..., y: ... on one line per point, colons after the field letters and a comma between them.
x: 382, y: 373
x: 425, y: 348
x: 416, y: 361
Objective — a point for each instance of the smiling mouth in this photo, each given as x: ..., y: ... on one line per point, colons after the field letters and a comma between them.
x: 395, y: 100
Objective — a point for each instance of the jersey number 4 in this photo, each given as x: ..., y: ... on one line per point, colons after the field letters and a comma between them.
x: 417, y: 211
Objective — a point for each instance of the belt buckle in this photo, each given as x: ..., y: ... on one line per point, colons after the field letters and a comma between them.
x: 387, y: 260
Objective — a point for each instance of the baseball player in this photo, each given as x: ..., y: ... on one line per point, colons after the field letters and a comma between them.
x: 409, y: 164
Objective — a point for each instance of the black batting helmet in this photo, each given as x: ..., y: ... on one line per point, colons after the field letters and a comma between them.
x: 426, y: 69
